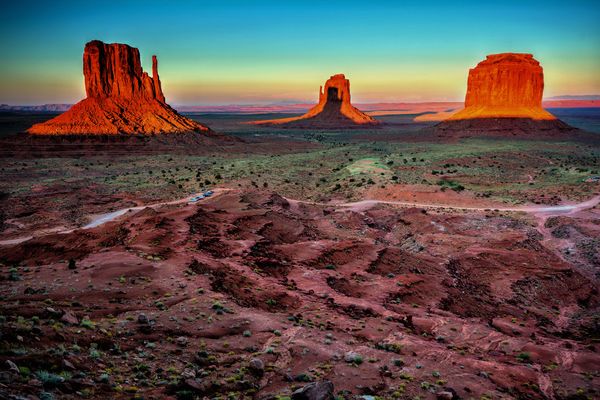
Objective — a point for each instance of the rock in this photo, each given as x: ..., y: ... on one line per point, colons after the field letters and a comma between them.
x: 315, y: 391
x: 68, y: 365
x: 505, y: 85
x: 504, y: 96
x: 182, y: 341
x: 257, y: 366
x: 53, y: 312
x: 69, y: 318
x: 12, y: 367
x: 195, y: 384
x: 447, y: 394
x: 188, y: 373
x: 142, y: 319
x: 334, y: 110
x: 121, y: 98
x: 352, y: 357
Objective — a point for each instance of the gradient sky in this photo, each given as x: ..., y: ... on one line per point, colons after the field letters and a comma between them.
x: 243, y: 52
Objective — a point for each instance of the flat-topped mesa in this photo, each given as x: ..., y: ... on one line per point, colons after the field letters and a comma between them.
x: 334, y: 109
x: 121, y: 98
x: 506, y: 85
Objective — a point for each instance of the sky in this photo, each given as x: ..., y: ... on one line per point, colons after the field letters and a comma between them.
x: 263, y: 52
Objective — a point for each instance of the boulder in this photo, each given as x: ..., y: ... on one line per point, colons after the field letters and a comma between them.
x: 315, y: 391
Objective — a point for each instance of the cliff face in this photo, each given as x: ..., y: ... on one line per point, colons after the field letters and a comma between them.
x: 121, y: 98
x: 507, y: 85
x: 334, y: 109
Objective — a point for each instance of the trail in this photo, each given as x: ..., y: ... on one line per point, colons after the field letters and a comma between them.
x: 101, y: 219
x: 542, y: 211
x: 545, y: 210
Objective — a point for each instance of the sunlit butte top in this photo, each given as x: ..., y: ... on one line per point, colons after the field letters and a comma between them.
x: 506, y: 85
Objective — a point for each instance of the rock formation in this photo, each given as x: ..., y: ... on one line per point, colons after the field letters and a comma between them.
x: 334, y: 109
x: 121, y: 98
x: 506, y: 85
x: 504, y: 93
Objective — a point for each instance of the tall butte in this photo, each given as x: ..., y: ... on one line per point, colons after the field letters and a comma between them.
x: 121, y: 98
x: 334, y: 110
x: 504, y: 94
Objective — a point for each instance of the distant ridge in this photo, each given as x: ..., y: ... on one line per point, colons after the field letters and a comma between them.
x: 575, y: 97
x: 38, y: 108
x: 379, y: 108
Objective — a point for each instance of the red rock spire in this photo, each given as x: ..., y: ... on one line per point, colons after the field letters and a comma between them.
x: 157, y: 87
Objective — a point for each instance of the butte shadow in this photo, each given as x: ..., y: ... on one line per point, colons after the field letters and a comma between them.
x: 504, y: 99
x: 334, y: 110
x: 123, y: 104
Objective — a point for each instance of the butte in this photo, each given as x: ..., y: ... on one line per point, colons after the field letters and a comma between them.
x: 121, y: 99
x: 504, y: 98
x: 333, y: 111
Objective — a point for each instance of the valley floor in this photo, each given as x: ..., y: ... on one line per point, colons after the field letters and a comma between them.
x: 392, y: 268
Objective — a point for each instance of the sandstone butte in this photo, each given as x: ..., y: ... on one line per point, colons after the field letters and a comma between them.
x: 121, y: 98
x: 506, y: 85
x: 334, y: 109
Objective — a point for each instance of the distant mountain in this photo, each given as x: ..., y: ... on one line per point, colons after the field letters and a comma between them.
x: 39, y: 108
x: 566, y: 101
x: 575, y: 97
x: 246, y: 108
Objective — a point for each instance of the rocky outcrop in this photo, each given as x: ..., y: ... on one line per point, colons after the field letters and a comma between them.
x: 507, y: 85
x: 504, y: 98
x: 121, y: 98
x: 334, y: 110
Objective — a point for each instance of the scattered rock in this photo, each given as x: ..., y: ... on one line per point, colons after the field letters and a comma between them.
x: 68, y: 365
x: 12, y: 367
x: 444, y: 395
x: 69, y: 318
x: 142, y: 319
x: 353, y: 357
x: 182, y: 341
x: 257, y: 366
x: 188, y: 373
x: 315, y: 391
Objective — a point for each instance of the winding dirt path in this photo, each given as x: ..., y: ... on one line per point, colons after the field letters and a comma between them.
x: 541, y: 211
x: 546, y: 210
x: 101, y: 219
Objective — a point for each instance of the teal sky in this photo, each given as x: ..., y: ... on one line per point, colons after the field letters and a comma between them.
x: 242, y: 52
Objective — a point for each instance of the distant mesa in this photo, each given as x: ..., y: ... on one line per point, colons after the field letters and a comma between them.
x: 504, y: 92
x: 121, y: 98
x: 334, y: 110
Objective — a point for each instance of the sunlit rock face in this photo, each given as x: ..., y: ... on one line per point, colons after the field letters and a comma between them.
x: 334, y: 109
x: 506, y: 85
x: 121, y: 98
x: 114, y: 70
